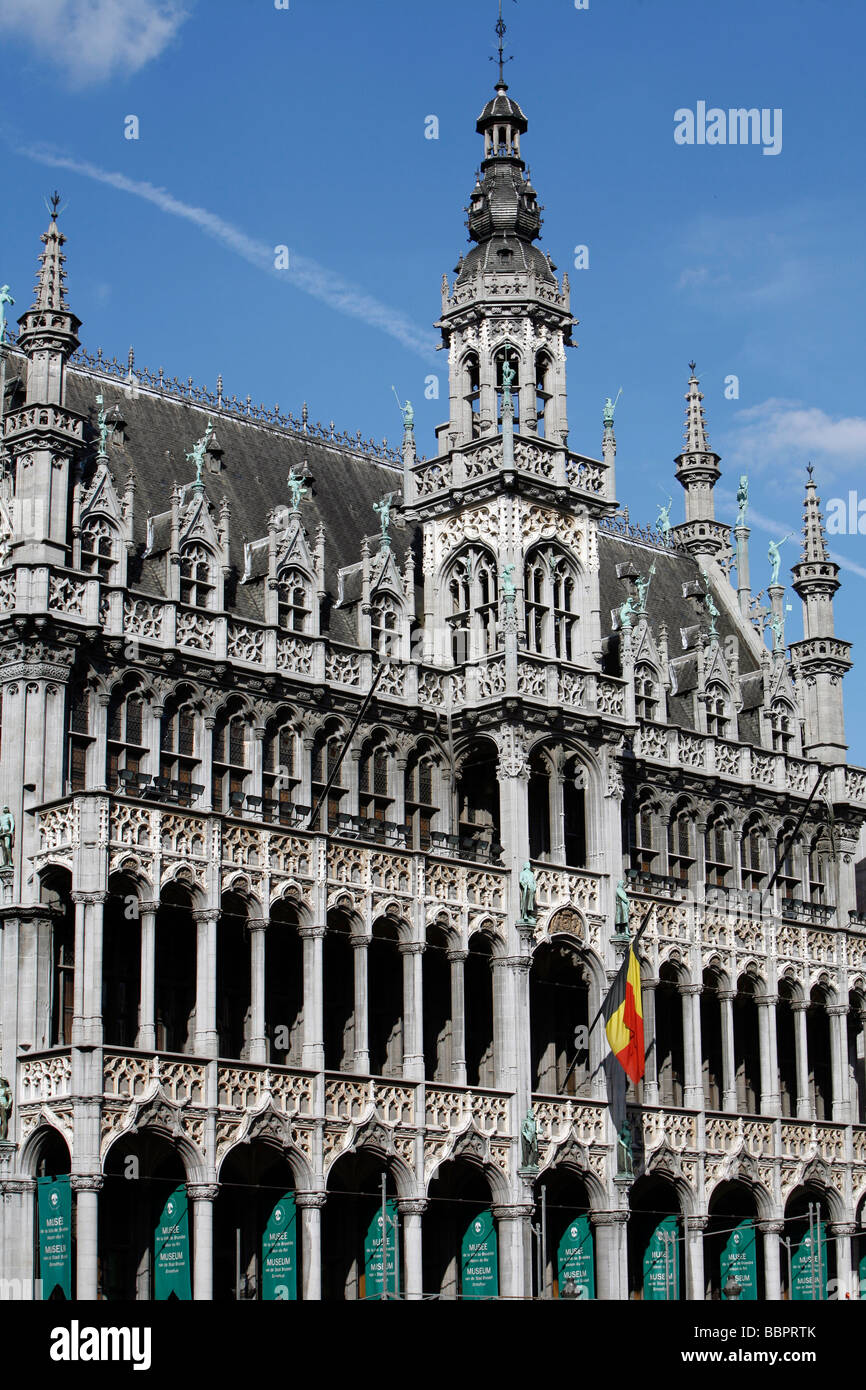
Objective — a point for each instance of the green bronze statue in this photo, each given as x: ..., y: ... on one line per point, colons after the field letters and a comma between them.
x: 609, y: 409
x: 642, y: 585
x: 7, y: 837
x: 408, y: 413
x: 626, y: 611
x: 197, y: 453
x: 5, y: 1108
x: 5, y: 298
x: 742, y: 500
x: 775, y: 558
x: 623, y: 906
x: 297, y: 488
x: 664, y: 518
x: 529, y: 1142
x: 711, y: 609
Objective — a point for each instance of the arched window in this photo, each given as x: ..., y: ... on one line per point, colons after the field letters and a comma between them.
x: 99, y: 548
x: 126, y: 747
x: 718, y: 851
x: 178, y: 761
x: 197, y: 576
x: 230, y: 758
x: 472, y: 393
x: 782, y: 725
x: 279, y: 772
x: 374, y: 783
x: 817, y: 885
x: 718, y: 711
x: 385, y: 625
x: 419, y: 803
x: 294, y: 600
x: 472, y: 603
x: 646, y: 692
x: 753, y: 856
x: 514, y: 363
x: 550, y: 600
x: 789, y: 879
x: 327, y: 747
x: 681, y: 843
x: 543, y: 394
x: 79, y: 737
x: 643, y: 848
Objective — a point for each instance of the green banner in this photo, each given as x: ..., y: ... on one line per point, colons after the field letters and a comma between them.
x: 55, y: 1236
x: 739, y: 1265
x: 809, y: 1265
x: 479, y: 1264
x: 373, y: 1257
x: 171, y: 1249
x: 279, y: 1252
x: 576, y: 1260
x: 661, y: 1261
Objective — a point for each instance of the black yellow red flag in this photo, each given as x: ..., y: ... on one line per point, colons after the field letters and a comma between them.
x: 622, y: 1011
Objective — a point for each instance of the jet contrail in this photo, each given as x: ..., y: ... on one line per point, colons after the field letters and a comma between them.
x: 302, y: 272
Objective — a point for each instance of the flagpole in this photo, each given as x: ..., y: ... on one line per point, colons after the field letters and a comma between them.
x: 635, y: 939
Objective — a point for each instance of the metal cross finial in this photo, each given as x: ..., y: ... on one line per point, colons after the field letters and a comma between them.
x: 810, y: 469
x: 53, y: 205
x: 692, y: 366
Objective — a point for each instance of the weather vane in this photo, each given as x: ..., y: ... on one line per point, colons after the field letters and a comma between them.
x: 53, y: 205
x: 501, y: 30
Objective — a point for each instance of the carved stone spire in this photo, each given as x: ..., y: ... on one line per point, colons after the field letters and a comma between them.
x: 48, y: 330
x: 698, y: 471
x: 822, y: 658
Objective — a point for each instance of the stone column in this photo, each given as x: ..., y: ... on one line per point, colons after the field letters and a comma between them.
x: 314, y: 1023
x: 411, y: 1211
x: 457, y: 960
x: 361, y: 1053
x: 86, y: 1189
x: 799, y: 1008
x: 695, y: 1227
x: 651, y: 1075
x: 729, y: 1060
x: 258, y: 1041
x: 147, y: 996
x: 310, y: 1205
x: 556, y: 802
x: 413, y: 1010
x: 202, y: 1195
x: 513, y: 1236
x: 611, y: 1278
x: 98, y: 758
x: 838, y: 1014
x: 206, y: 1036
x: 770, y: 1099
x: 771, y: 1231
x: 846, y: 1280
x: 89, y: 908
x: 693, y: 1090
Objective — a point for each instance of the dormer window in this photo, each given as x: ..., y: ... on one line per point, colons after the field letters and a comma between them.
x: 98, y: 549
x: 294, y: 603
x: 197, y: 577
x: 718, y: 711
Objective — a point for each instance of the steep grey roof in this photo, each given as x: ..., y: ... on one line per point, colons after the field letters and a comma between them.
x: 255, y: 462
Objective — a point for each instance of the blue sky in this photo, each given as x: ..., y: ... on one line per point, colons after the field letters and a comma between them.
x: 305, y: 127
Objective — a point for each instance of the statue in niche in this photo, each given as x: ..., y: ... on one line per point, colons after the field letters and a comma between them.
x: 623, y: 906
x: 7, y: 837
x: 529, y: 1142
x: 527, y: 894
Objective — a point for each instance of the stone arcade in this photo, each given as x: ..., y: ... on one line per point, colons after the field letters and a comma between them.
x: 228, y: 1020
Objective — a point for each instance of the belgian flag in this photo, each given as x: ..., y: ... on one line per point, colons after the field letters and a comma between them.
x: 623, y: 1017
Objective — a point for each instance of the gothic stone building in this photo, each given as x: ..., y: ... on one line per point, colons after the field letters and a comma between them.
x: 276, y: 761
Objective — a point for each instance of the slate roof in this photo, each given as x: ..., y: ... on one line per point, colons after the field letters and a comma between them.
x: 255, y: 461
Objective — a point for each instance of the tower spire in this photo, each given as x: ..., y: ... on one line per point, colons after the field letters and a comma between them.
x: 698, y: 471
x: 49, y: 331
x: 815, y: 550
x: 822, y: 658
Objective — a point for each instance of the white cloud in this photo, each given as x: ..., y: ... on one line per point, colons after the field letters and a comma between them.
x: 91, y: 40
x: 303, y: 273
x: 785, y: 435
